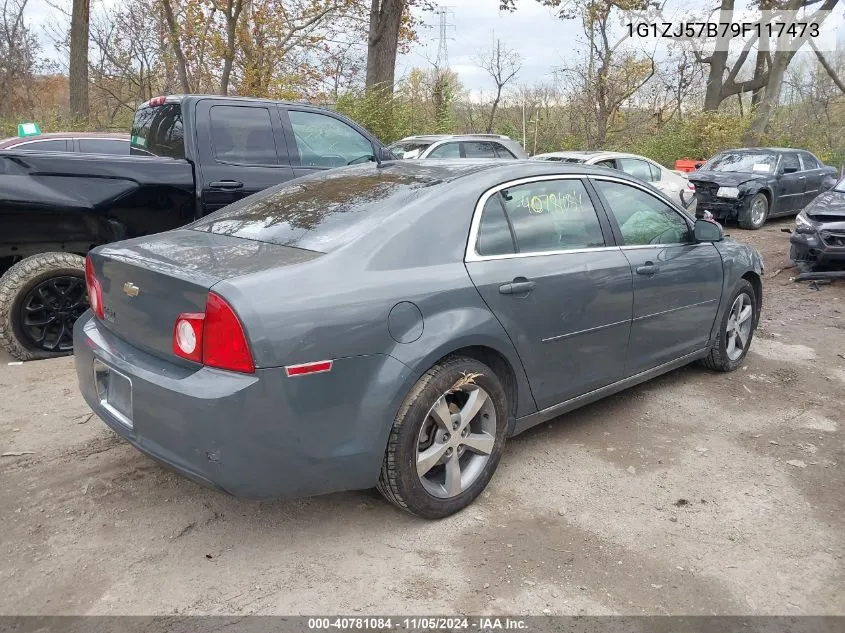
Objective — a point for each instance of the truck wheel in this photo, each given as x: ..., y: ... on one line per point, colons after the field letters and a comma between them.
x: 40, y: 298
x: 447, y: 439
x: 755, y: 215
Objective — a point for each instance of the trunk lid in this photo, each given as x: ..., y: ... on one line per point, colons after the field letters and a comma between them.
x: 147, y: 282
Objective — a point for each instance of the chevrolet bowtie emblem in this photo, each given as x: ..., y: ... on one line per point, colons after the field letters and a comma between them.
x: 131, y: 289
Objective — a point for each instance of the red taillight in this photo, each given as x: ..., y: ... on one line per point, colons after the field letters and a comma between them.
x: 95, y: 290
x: 214, y: 338
x: 157, y: 101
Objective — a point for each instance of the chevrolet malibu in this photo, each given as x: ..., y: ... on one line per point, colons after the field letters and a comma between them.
x: 391, y: 325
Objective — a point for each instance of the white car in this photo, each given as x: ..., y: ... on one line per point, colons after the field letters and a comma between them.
x: 674, y: 185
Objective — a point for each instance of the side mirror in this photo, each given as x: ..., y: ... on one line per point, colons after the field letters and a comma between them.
x: 708, y: 231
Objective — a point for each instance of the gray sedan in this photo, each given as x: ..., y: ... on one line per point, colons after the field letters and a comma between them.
x: 392, y: 325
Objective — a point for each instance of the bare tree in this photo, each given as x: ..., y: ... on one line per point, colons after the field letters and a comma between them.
x: 18, y: 47
x: 175, y: 38
x: 502, y: 64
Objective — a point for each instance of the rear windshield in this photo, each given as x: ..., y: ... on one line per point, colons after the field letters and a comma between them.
x: 409, y: 149
x: 158, y: 131
x: 562, y: 159
x: 318, y: 213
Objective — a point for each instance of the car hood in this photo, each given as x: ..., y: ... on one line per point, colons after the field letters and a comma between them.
x: 827, y: 207
x: 724, y: 178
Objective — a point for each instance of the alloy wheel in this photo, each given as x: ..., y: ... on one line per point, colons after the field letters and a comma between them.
x: 455, y: 441
x: 738, y: 328
x: 49, y: 310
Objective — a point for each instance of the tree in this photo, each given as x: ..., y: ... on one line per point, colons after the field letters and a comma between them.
x: 78, y: 74
x: 502, y: 64
x: 383, y: 42
x: 18, y: 48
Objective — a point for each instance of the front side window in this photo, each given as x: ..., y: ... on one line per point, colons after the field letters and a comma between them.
x: 409, y: 149
x: 543, y: 216
x: 324, y: 141
x: 242, y: 135
x: 790, y: 163
x: 642, y: 218
x: 636, y: 168
x: 447, y: 150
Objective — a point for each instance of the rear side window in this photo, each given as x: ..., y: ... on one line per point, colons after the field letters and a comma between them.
x: 321, y: 212
x: 158, y: 131
x: 809, y: 161
x: 242, y: 135
x: 544, y: 216
x: 502, y: 151
x: 103, y: 146
x: 636, y: 168
x: 473, y: 149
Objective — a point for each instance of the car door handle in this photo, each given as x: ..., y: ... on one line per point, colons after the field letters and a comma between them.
x: 647, y: 269
x: 518, y: 286
x: 227, y: 184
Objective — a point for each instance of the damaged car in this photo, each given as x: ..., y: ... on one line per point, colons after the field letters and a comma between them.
x: 819, y: 238
x: 751, y: 185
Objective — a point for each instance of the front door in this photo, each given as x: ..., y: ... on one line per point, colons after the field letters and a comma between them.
x: 242, y: 151
x: 792, y: 184
x: 322, y: 141
x: 677, y: 282
x: 540, y: 260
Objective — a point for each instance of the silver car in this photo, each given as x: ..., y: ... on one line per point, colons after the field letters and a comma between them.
x: 458, y: 146
x: 674, y: 185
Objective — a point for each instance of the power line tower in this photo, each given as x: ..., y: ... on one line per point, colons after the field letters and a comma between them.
x: 442, y: 61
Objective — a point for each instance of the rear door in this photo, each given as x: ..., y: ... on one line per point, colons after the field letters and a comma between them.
x: 543, y: 260
x: 242, y: 150
x: 677, y: 282
x: 478, y: 149
x: 791, y: 184
x: 321, y: 141
x: 814, y: 174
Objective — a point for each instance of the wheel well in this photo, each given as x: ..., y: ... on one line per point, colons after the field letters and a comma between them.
x: 500, y: 366
x: 768, y: 195
x: 756, y: 283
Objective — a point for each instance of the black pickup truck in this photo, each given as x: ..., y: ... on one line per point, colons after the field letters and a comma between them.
x: 206, y: 153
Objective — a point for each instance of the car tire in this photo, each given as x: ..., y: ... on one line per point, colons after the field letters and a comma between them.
x: 19, y: 281
x: 418, y: 431
x: 723, y: 356
x: 751, y: 218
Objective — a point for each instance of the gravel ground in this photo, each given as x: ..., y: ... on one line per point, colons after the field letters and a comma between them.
x: 696, y: 493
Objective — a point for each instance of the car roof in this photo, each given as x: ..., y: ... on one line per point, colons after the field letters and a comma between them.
x: 177, y: 98
x: 14, y: 140
x: 757, y: 150
x: 594, y: 154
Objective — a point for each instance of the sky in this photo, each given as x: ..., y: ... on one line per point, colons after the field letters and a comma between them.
x: 543, y: 41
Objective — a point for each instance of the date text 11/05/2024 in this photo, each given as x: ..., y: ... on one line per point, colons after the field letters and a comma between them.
x: 425, y: 623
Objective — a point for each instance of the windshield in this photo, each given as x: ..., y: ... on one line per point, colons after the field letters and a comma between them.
x: 759, y: 163
x: 409, y: 149
x: 318, y: 213
x: 840, y: 186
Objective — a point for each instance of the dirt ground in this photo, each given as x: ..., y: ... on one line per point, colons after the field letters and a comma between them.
x: 696, y: 493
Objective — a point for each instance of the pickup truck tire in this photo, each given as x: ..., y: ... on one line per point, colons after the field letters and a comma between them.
x: 41, y: 280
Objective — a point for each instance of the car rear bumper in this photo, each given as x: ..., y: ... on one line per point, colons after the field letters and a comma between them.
x: 256, y: 435
x: 820, y: 248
